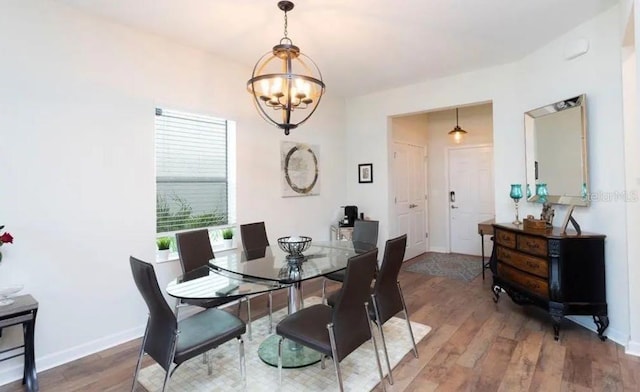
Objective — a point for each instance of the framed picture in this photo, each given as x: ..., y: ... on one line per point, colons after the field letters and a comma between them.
x: 300, y: 164
x: 365, y: 173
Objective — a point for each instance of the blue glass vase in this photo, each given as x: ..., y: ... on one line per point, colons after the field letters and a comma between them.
x: 516, y: 195
x: 542, y: 192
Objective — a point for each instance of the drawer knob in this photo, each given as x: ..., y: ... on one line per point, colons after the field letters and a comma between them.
x: 533, y: 245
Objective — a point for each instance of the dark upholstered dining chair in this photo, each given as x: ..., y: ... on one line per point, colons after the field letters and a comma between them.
x: 254, y: 241
x: 364, y: 231
x: 336, y: 332
x: 194, y: 251
x: 254, y: 235
x: 387, y: 293
x: 170, y: 342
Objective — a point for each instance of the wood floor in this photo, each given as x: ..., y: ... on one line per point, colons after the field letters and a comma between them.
x: 475, y: 345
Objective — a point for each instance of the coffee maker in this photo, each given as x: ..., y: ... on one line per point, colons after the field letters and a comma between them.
x: 350, y: 216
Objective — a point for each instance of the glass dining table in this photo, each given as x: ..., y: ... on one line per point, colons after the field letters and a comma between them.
x: 239, y: 273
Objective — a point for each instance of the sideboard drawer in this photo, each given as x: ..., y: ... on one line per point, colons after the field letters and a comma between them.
x: 505, y: 238
x: 535, y: 285
x: 533, y: 245
x: 534, y: 265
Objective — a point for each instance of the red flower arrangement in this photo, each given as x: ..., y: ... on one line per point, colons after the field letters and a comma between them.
x: 5, y: 237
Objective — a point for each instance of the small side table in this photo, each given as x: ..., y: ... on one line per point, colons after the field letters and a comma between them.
x: 340, y: 232
x: 23, y: 311
x: 485, y: 228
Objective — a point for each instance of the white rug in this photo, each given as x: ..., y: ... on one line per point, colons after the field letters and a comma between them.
x: 359, y: 370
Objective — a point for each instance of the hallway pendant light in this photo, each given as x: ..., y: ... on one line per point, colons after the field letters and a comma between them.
x: 286, y: 85
x: 457, y: 133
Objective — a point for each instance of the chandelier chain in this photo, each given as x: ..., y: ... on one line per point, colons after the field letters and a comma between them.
x: 285, y: 24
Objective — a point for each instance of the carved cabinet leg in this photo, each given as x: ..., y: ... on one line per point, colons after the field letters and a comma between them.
x: 602, y: 322
x: 556, y: 328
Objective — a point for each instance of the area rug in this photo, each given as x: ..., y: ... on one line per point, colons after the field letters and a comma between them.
x: 359, y: 370
x: 451, y: 265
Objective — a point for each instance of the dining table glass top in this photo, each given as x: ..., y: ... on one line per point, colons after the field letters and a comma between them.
x: 207, y: 283
x: 271, y: 263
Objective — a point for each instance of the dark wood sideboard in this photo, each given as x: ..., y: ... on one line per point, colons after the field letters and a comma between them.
x: 561, y: 273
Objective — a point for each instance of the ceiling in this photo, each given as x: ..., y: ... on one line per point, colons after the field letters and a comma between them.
x: 361, y: 46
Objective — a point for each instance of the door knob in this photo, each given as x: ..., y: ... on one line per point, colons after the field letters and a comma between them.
x: 413, y: 205
x: 452, y: 206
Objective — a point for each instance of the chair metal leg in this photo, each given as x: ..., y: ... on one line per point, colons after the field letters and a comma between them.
x: 334, y: 354
x: 375, y: 347
x: 270, y: 312
x: 378, y: 322
x: 171, y: 368
x: 280, y: 360
x: 249, y: 318
x: 176, y: 306
x: 406, y: 317
x: 324, y: 288
x: 135, y: 375
x: 322, y: 364
x: 243, y: 364
x: 209, y: 363
x: 166, y: 379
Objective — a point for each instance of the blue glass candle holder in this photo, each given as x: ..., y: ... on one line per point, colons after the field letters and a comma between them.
x: 542, y: 192
x: 516, y: 195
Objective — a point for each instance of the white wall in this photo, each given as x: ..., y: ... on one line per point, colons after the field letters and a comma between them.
x: 77, y: 188
x: 631, y: 90
x: 412, y: 129
x: 541, y: 78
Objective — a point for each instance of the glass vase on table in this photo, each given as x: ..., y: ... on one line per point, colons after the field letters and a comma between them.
x: 516, y: 195
x: 7, y: 292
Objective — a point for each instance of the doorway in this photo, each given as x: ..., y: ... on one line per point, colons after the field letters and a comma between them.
x: 430, y: 131
x: 470, y: 196
x: 409, y: 176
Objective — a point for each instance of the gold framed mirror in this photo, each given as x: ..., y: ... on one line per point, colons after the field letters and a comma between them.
x: 556, y: 152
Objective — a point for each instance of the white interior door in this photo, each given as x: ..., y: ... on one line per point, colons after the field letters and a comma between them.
x: 470, y: 196
x: 409, y: 168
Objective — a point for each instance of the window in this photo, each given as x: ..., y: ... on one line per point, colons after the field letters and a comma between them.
x: 192, y: 171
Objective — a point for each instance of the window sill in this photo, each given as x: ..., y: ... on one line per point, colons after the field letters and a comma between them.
x: 222, y: 247
x: 173, y: 256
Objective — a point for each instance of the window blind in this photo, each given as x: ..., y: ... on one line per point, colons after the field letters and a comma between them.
x: 191, y: 171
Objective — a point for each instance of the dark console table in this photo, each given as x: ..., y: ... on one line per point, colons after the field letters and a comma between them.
x: 23, y: 311
x: 563, y: 274
x: 485, y: 228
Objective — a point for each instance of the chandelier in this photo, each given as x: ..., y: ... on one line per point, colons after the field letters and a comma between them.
x: 286, y: 85
x: 457, y: 133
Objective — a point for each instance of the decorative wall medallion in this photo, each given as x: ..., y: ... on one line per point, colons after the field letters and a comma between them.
x: 300, y: 169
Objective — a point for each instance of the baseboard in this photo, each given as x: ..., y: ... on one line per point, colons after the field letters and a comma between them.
x: 633, y: 348
x: 14, y: 372
x: 438, y: 249
x: 610, y: 333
